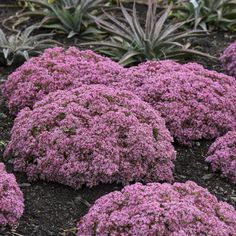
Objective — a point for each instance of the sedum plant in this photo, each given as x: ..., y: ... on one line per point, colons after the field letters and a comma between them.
x: 180, y: 209
x: 130, y: 42
x: 195, y: 102
x: 57, y: 69
x: 69, y: 16
x: 11, y: 199
x: 228, y: 59
x: 222, y: 156
x: 208, y: 14
x: 19, y: 47
x: 89, y: 135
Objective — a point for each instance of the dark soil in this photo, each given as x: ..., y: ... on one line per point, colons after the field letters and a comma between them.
x: 54, y: 209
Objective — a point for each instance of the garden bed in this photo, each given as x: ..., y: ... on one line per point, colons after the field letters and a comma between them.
x: 54, y: 209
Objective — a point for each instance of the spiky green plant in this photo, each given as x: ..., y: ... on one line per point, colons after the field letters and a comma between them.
x: 130, y: 42
x: 19, y: 47
x: 69, y: 16
x: 208, y: 14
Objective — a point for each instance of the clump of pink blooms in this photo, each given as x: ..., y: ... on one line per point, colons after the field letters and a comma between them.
x: 159, y: 209
x: 196, y: 103
x: 222, y: 155
x: 11, y: 199
x: 56, y: 69
x: 89, y: 135
x: 228, y: 60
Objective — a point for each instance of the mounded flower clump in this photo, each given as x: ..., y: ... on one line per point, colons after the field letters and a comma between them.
x: 11, y: 199
x: 228, y: 59
x: 159, y: 209
x: 89, y: 135
x: 56, y: 69
x: 222, y: 155
x: 196, y: 103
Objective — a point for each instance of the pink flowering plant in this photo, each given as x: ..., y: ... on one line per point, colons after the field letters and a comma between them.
x: 54, y: 70
x: 196, y: 103
x: 11, y: 199
x: 222, y: 155
x: 228, y: 59
x: 159, y: 209
x: 90, y: 135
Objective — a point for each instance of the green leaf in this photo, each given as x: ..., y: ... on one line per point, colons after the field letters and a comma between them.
x: 5, y: 52
x: 71, y: 34
x: 3, y: 39
x: 51, y: 1
x: 155, y: 133
x: 126, y: 57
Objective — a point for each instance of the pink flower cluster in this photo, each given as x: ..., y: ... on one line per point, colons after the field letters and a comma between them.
x: 56, y: 69
x: 89, y: 135
x: 228, y: 60
x: 11, y: 199
x: 222, y: 155
x: 196, y: 103
x: 181, y: 209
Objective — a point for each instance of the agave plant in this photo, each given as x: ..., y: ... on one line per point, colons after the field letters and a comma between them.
x: 130, y: 42
x: 69, y: 16
x: 19, y: 47
x: 208, y: 14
